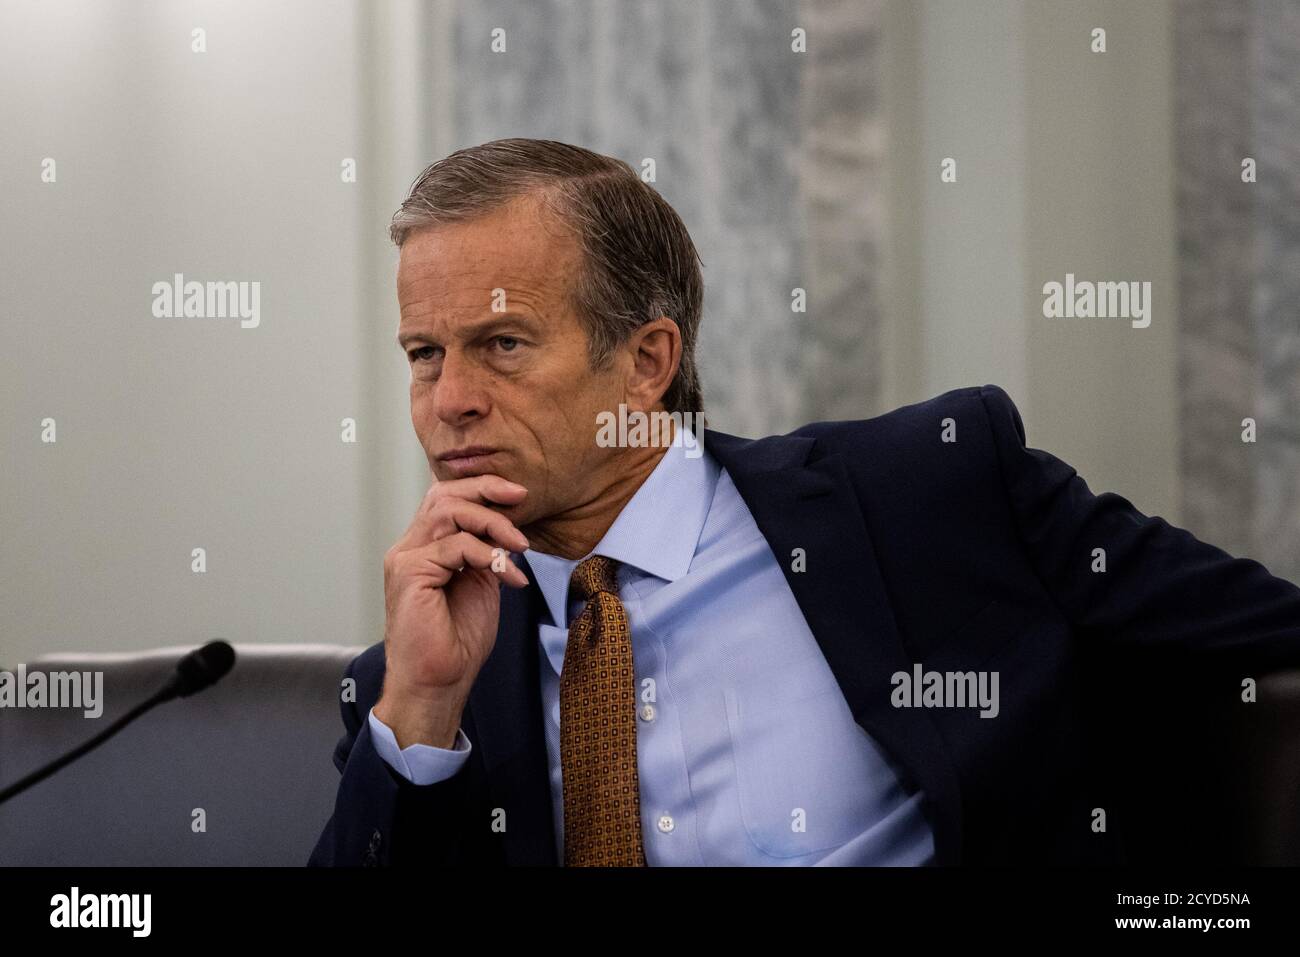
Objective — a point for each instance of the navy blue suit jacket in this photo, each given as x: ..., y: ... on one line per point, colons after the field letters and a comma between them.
x: 968, y: 555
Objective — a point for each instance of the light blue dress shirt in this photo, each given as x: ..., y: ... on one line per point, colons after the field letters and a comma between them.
x: 747, y: 751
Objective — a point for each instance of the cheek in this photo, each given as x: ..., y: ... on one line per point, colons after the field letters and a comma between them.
x: 422, y: 418
x: 419, y: 413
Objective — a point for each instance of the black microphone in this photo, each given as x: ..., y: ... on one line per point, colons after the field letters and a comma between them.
x: 198, y: 670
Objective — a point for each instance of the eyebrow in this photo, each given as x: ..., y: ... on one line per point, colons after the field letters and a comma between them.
x: 476, y: 330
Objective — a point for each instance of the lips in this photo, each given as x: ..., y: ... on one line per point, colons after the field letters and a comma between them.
x: 472, y: 460
x: 467, y: 452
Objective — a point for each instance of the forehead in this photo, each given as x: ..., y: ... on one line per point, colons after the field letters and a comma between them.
x: 518, y: 247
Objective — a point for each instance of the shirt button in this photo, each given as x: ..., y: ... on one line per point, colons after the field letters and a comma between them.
x: 647, y: 712
x: 665, y: 823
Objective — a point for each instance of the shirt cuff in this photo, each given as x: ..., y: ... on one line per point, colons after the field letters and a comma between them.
x: 419, y: 763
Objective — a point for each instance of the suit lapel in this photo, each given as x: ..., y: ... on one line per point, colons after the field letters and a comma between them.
x: 812, y: 506
x: 506, y: 710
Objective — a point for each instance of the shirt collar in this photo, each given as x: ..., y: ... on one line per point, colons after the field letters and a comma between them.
x: 656, y: 531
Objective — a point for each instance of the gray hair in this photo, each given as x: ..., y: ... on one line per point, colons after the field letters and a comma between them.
x: 638, y: 259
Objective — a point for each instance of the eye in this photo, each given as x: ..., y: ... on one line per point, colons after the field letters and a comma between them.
x: 421, y: 354
x: 510, y: 339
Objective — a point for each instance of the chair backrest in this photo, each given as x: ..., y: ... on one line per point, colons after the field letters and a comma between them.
x: 1209, y: 779
x: 1205, y: 777
x: 253, y: 754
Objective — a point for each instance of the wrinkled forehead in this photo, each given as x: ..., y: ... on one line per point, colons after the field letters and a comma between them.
x: 514, y: 252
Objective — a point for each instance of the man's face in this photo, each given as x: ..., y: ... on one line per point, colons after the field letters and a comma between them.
x: 514, y: 380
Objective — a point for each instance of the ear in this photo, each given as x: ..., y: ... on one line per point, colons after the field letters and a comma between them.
x: 656, y: 352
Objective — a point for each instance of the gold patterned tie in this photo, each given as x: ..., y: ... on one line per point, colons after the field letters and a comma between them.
x: 602, y: 802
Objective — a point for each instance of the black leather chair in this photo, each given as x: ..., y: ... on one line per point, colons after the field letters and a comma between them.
x: 1200, y: 777
x: 252, y: 752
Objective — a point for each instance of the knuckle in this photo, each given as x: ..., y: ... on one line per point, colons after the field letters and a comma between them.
x: 443, y: 515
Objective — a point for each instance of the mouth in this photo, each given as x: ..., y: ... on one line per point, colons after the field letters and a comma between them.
x: 467, y: 461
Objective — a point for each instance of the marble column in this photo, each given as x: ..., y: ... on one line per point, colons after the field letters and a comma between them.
x: 1238, y: 93
x: 769, y: 155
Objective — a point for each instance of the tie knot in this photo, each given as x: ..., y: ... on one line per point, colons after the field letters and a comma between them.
x: 594, y: 575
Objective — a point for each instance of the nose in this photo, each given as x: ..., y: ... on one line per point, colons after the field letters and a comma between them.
x: 460, y: 393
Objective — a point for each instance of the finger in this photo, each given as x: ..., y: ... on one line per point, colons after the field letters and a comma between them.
x: 486, y: 489
x: 477, y: 489
x: 452, y: 515
x: 439, y: 561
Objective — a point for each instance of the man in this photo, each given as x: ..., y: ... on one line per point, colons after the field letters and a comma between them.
x: 859, y: 643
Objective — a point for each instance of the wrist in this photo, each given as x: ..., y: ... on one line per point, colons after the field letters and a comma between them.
x: 434, y: 721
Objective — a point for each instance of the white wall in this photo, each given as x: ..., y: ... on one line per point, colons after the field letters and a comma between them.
x: 1065, y: 164
x: 174, y: 434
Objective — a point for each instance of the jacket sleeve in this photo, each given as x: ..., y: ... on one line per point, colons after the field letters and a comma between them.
x: 1163, y: 591
x: 380, y: 818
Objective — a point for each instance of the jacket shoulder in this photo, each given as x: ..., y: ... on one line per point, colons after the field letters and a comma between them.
x: 919, y: 428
